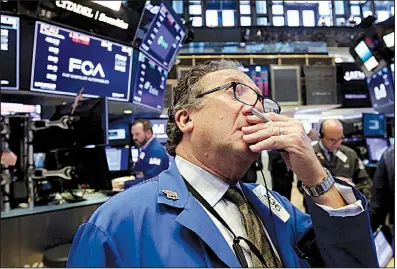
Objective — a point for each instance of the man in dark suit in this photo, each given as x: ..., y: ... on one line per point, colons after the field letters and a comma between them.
x: 198, y: 213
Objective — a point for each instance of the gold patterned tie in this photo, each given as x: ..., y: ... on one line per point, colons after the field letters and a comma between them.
x: 254, y: 230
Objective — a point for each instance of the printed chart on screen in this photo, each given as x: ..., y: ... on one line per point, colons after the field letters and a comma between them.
x: 260, y: 76
x: 65, y: 61
x: 150, y: 83
x: 9, y: 53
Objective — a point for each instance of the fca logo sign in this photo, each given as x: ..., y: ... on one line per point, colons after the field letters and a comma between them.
x: 86, y: 67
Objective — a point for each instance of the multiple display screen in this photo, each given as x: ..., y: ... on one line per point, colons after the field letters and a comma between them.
x: 150, y: 83
x: 9, y: 52
x: 365, y: 55
x: 66, y: 61
x: 260, y: 76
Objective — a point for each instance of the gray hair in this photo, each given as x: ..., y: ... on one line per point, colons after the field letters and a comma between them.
x: 185, y: 92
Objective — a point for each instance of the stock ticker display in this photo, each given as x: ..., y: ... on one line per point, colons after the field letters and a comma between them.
x: 9, y: 52
x: 381, y: 88
x: 65, y: 61
x: 260, y: 76
x: 150, y: 83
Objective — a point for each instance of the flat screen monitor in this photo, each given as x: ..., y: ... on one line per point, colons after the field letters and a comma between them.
x: 16, y: 108
x: 260, y: 76
x: 118, y: 159
x: 376, y: 147
x: 389, y: 39
x: 162, y: 36
x: 381, y: 89
x: 159, y: 127
x: 119, y: 134
x: 374, y: 125
x: 9, y: 53
x: 150, y: 83
x: 65, y: 61
x: 383, y: 249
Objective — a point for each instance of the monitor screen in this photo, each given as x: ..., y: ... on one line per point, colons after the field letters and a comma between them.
x: 14, y: 108
x: 374, y: 125
x: 383, y: 249
x: 381, y: 88
x: 366, y: 56
x: 389, y: 39
x: 117, y: 159
x: 160, y: 129
x: 119, y: 134
x: 65, y: 61
x: 9, y: 53
x: 163, y: 37
x: 376, y: 147
x: 260, y: 76
x: 150, y: 83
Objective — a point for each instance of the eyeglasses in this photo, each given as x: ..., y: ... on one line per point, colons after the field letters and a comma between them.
x: 248, y: 96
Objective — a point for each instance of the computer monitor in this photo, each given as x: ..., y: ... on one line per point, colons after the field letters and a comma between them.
x: 118, y: 159
x: 9, y: 52
x: 119, y: 134
x: 160, y: 34
x: 89, y: 127
x: 376, y: 147
x: 374, y: 125
x: 159, y: 127
x: 150, y: 83
x: 65, y: 61
x: 381, y: 90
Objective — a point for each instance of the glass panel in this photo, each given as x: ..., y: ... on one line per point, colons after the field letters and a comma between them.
x: 383, y: 15
x: 195, y: 9
x: 339, y: 7
x: 228, y: 17
x: 197, y: 22
x: 261, y: 21
x: 367, y: 13
x: 261, y: 7
x: 325, y: 21
x: 308, y: 18
x: 245, y: 21
x: 245, y: 9
x: 340, y: 21
x: 324, y: 7
x: 178, y: 6
x: 355, y: 10
x: 278, y: 21
x: 293, y: 17
x: 212, y: 18
x: 277, y: 9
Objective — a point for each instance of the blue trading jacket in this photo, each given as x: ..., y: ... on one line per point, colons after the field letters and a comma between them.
x: 141, y: 227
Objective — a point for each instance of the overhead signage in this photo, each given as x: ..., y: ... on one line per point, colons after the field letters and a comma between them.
x: 91, y: 13
x: 354, y: 75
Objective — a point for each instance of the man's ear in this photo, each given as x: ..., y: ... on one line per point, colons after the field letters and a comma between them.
x: 184, y: 121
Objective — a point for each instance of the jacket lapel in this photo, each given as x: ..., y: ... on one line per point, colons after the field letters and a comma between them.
x: 193, y: 215
x: 277, y: 229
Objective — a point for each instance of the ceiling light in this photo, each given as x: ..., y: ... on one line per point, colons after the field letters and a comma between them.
x: 127, y: 111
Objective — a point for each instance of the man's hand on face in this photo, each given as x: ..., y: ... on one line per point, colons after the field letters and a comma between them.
x: 8, y: 158
x: 288, y: 134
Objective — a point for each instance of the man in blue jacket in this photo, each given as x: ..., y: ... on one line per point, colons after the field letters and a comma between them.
x: 152, y: 157
x: 198, y: 214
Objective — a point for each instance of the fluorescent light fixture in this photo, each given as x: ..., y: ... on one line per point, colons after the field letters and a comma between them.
x: 114, y: 5
x: 389, y: 39
x: 127, y: 111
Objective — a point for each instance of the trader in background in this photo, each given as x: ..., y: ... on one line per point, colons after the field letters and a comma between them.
x: 152, y: 158
x: 340, y: 160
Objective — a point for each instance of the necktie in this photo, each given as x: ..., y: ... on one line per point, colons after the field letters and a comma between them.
x: 253, y: 229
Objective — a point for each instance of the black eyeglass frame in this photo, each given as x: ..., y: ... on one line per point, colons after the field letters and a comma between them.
x: 234, y: 86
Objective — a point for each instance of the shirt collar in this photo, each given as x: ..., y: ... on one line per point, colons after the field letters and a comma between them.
x: 210, y: 187
x: 147, y: 143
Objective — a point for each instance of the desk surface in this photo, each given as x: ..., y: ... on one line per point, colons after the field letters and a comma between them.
x: 91, y: 199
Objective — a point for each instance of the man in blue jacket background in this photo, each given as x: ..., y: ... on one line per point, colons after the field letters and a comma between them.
x: 152, y: 157
x: 197, y: 213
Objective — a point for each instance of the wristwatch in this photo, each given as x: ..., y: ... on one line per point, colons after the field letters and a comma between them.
x: 320, y: 188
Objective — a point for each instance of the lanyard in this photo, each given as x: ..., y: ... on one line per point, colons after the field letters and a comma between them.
x: 236, y: 239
